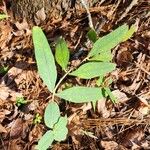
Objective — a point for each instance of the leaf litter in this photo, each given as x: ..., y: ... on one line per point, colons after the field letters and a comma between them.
x: 124, y: 125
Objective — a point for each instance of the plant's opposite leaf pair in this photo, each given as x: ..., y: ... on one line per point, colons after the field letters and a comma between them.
x: 51, y: 115
x: 57, y: 124
x: 81, y: 94
x: 106, y: 43
x: 93, y: 69
x: 59, y: 133
x: 62, y: 53
x: 44, y: 58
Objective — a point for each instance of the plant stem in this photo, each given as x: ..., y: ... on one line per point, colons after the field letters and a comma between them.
x: 57, y: 85
x: 64, y: 76
x: 86, y: 6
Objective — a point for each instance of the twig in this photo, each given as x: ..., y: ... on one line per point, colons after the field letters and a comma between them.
x: 85, y: 5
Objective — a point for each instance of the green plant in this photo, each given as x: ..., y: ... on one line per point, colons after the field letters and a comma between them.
x: 57, y: 125
x: 96, y: 65
x: 3, y: 16
x: 37, y: 119
x: 20, y: 101
x: 3, y: 69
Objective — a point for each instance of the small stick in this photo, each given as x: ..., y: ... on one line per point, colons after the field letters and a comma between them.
x: 86, y: 6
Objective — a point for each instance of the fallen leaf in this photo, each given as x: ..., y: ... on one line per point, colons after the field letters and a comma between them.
x: 2, y: 129
x: 109, y: 145
x: 16, y: 129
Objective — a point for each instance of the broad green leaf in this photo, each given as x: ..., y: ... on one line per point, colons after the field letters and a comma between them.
x: 60, y: 130
x: 44, y: 58
x: 51, y: 115
x: 108, y: 91
x: 104, y: 56
x: 81, y: 94
x: 62, y: 53
x: 109, y: 41
x: 93, y: 69
x: 129, y: 33
x: 46, y: 141
x: 92, y: 35
x: 3, y: 16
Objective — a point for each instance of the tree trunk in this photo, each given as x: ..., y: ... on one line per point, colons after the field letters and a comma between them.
x: 33, y: 9
x: 50, y: 8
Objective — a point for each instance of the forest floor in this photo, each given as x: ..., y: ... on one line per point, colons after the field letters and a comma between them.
x: 121, y: 126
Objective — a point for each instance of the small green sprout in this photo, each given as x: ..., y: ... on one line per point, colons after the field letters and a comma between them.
x: 37, y: 119
x: 20, y: 101
x: 3, y: 69
x: 57, y: 127
x: 3, y: 16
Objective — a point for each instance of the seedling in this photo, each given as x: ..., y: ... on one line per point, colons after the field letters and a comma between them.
x: 3, y: 16
x: 57, y: 125
x: 37, y: 119
x: 20, y: 101
x: 96, y: 65
x: 3, y: 69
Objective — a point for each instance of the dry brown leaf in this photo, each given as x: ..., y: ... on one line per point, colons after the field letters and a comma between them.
x: 109, y: 145
x: 2, y: 129
x: 36, y: 133
x: 15, y: 145
x: 4, y: 92
x: 132, y: 137
x: 22, y: 26
x: 101, y: 107
x: 120, y: 96
x: 124, y: 58
x: 6, y: 34
x: 16, y: 129
x: 40, y: 16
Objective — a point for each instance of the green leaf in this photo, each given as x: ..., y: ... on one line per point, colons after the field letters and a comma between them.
x: 129, y: 33
x: 60, y: 130
x: 44, y: 58
x: 81, y: 94
x: 93, y: 69
x: 3, y: 70
x: 92, y: 35
x: 100, y: 80
x: 108, y: 91
x: 46, y: 141
x: 94, y: 105
x: 104, y: 56
x: 62, y: 53
x: 51, y: 115
x: 109, y: 41
x: 3, y: 16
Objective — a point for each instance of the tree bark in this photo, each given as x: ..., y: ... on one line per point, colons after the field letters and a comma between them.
x: 51, y: 8
x: 29, y: 8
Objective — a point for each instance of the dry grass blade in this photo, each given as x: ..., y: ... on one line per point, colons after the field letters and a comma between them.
x: 113, y: 121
